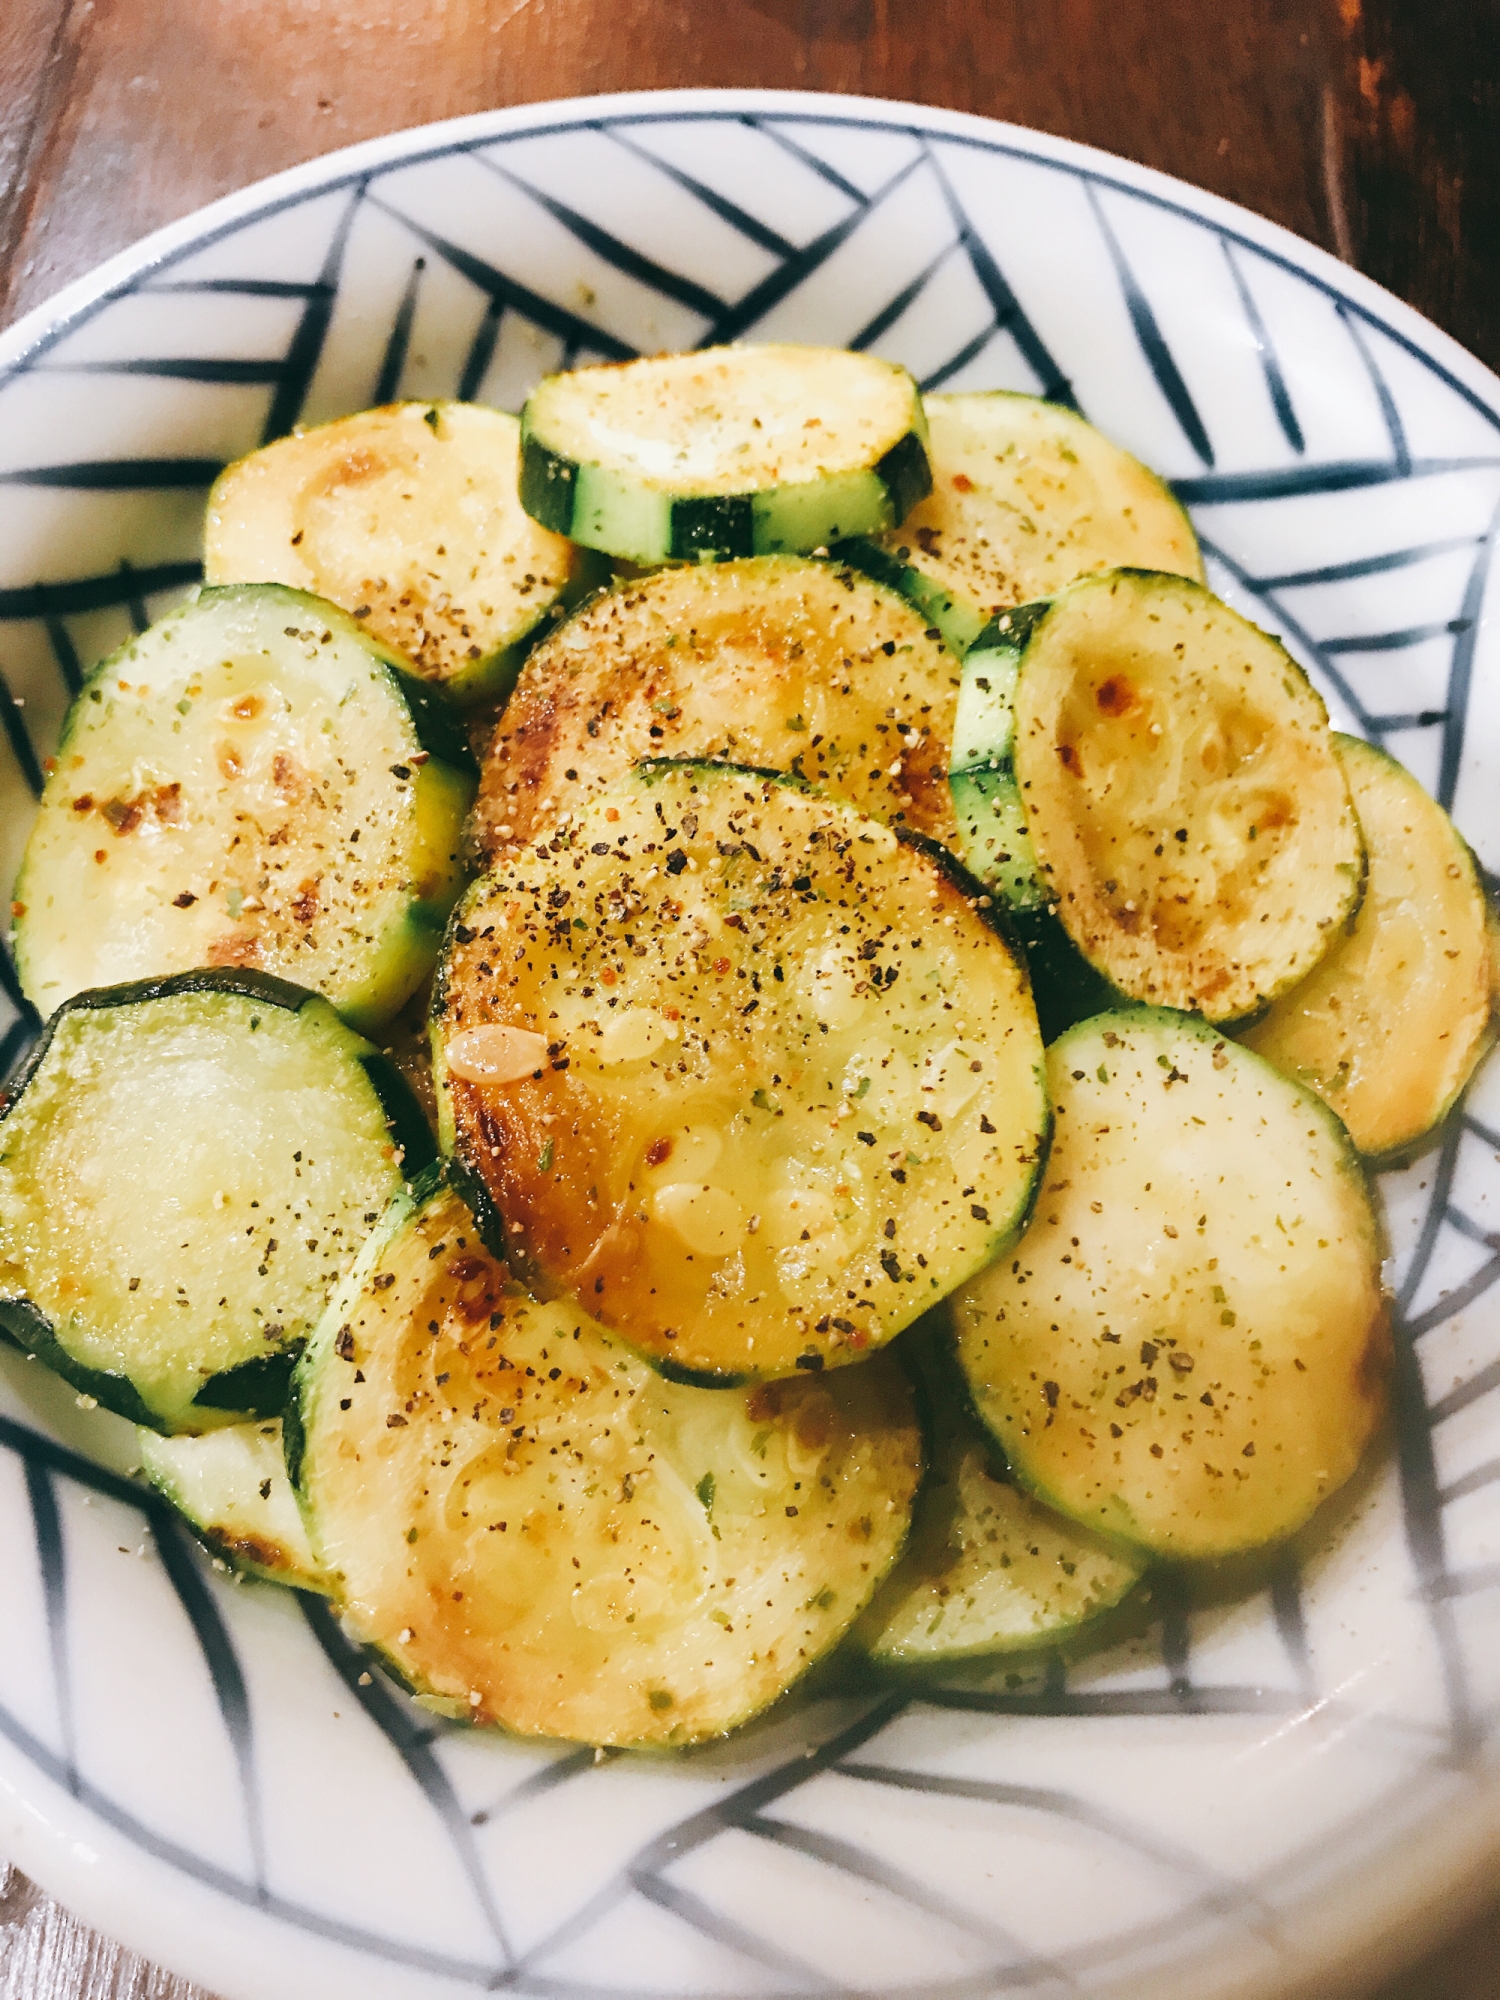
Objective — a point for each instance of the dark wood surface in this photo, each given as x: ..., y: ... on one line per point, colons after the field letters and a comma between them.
x: 1371, y: 127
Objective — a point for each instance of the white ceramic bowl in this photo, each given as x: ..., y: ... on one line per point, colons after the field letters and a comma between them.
x: 1270, y: 1795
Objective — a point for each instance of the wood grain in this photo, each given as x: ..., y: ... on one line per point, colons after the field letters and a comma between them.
x: 1368, y: 126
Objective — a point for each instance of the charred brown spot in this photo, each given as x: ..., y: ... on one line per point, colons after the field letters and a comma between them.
x: 1068, y: 757
x: 1115, y: 696
x: 658, y: 1151
x: 287, y: 776
x: 1372, y: 1371
x: 228, y: 761
x: 234, y: 948
x: 305, y: 902
x: 246, y: 708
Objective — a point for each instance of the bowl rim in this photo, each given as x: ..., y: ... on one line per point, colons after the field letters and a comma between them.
x: 1356, y: 1925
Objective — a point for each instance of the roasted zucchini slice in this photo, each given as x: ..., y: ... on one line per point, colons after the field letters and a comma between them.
x: 407, y: 517
x: 188, y: 1167
x: 730, y: 451
x: 232, y: 1489
x: 538, y: 1531
x: 1187, y: 810
x: 785, y: 664
x: 1188, y: 1350
x: 1391, y: 1022
x: 1026, y: 498
x: 748, y: 1074
x: 987, y: 1569
x: 254, y: 782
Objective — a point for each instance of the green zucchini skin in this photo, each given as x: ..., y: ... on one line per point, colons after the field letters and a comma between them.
x: 710, y: 1546
x: 602, y: 495
x: 147, y: 1387
x: 1189, y: 1349
x: 212, y: 780
x: 778, y: 959
x: 993, y: 838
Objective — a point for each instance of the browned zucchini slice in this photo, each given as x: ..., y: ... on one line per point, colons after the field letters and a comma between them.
x: 407, y: 517
x: 1026, y: 498
x: 1390, y: 1024
x: 1190, y: 818
x: 787, y: 1085
x: 540, y: 1532
x: 788, y: 665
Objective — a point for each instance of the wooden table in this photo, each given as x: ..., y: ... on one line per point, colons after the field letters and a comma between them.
x: 1368, y: 126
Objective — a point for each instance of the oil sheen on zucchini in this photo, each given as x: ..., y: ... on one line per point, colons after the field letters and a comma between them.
x: 1189, y: 1347
x: 1390, y: 1023
x: 231, y: 1487
x: 538, y: 1531
x: 408, y: 518
x: 987, y: 1569
x: 255, y: 783
x: 730, y: 451
x: 1026, y: 498
x: 188, y: 1168
x: 792, y: 1091
x: 786, y: 664
x: 1188, y: 813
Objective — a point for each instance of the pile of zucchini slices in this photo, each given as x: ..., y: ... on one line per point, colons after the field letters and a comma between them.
x: 912, y: 983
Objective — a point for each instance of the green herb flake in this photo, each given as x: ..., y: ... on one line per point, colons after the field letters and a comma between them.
x: 544, y: 1162
x: 659, y: 1698
x: 705, y: 1489
x: 1102, y: 1073
x: 795, y: 722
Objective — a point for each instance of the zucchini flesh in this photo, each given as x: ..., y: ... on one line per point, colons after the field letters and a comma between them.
x: 187, y: 1170
x: 1189, y: 1348
x: 1390, y: 1023
x: 730, y: 451
x: 231, y: 1487
x: 251, y: 783
x: 784, y: 664
x: 987, y: 1569
x: 793, y: 1091
x: 1188, y: 813
x: 1026, y: 498
x: 538, y: 1531
x: 407, y: 517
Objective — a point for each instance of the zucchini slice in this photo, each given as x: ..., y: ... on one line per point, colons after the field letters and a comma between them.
x: 1391, y: 1022
x: 1189, y: 1348
x: 1026, y: 498
x: 538, y: 1531
x: 730, y: 451
x: 254, y: 782
x: 1185, y: 804
x: 987, y: 1569
x: 188, y: 1168
x: 785, y: 664
x: 407, y: 517
x: 748, y: 1074
x: 231, y: 1487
